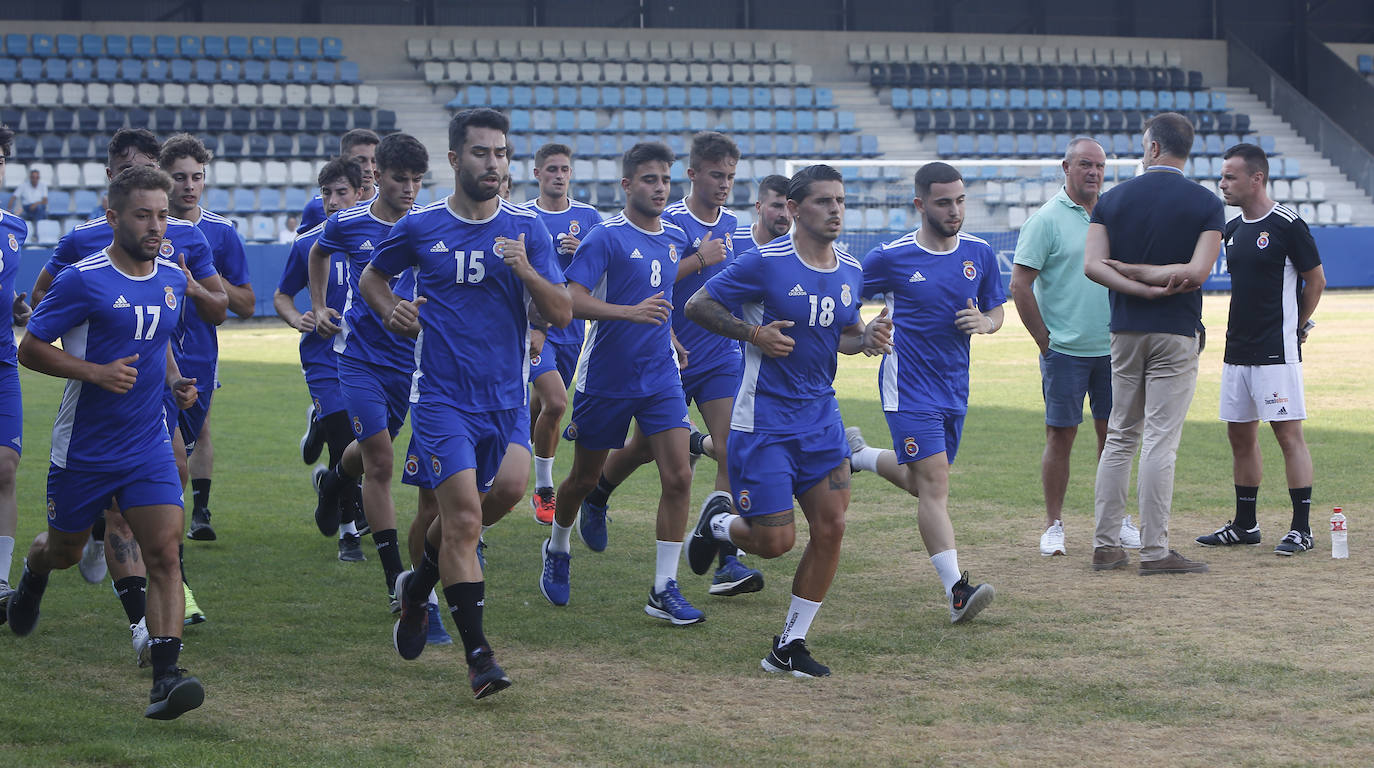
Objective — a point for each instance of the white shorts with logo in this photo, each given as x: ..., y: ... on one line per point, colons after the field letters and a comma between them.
x: 1262, y: 393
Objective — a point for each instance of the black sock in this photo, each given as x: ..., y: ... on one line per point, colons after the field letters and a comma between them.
x: 200, y: 493
x: 33, y: 582
x: 98, y: 529
x: 164, y: 651
x: 1246, y: 496
x: 1302, y: 507
x: 181, y: 562
x: 343, y: 474
x: 425, y: 576
x: 465, y: 603
x: 602, y: 493
x: 390, y: 554
x: 337, y: 435
x: 132, y: 592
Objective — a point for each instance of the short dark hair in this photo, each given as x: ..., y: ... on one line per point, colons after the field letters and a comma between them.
x: 800, y: 185
x: 6, y: 140
x: 141, y: 140
x: 935, y: 173
x: 355, y: 137
x: 1173, y: 132
x: 645, y: 152
x: 549, y: 150
x: 774, y: 183
x: 339, y: 168
x: 402, y: 152
x: 711, y: 147
x: 1255, y: 159
x: 481, y: 117
x: 182, y: 145
x: 136, y: 179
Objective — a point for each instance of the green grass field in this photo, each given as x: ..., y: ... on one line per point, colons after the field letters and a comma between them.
x: 1265, y: 661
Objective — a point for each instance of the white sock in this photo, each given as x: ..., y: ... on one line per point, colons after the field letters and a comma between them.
x: 947, y: 568
x: 347, y: 529
x: 485, y: 528
x: 799, y: 617
x: 543, y: 472
x: 560, y: 540
x: 665, y: 564
x: 720, y: 526
x: 6, y: 557
x: 866, y: 459
x: 433, y: 598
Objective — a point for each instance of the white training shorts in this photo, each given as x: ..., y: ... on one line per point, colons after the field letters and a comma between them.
x: 1262, y: 393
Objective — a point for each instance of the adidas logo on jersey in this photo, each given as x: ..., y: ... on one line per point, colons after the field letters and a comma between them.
x: 636, y: 254
x: 917, y: 277
x: 438, y: 247
x: 366, y: 246
x: 121, y: 302
x: 797, y: 290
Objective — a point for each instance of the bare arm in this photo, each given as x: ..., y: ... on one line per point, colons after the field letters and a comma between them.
x: 1191, y: 274
x: 873, y: 338
x: 1313, y: 283
x: 1097, y: 252
x: 971, y: 320
x: 551, y: 299
x: 654, y: 310
x: 318, y: 268
x: 116, y: 376
x: 41, y: 285
x: 399, y: 315
x: 1023, y: 295
x: 183, y: 389
x: 242, y: 300
x: 212, y: 303
x: 286, y: 310
x: 708, y: 253
x: 714, y: 317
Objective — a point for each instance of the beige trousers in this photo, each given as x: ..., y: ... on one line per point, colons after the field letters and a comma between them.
x: 1153, y: 378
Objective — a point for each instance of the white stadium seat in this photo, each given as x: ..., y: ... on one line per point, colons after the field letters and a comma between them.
x: 417, y: 49
x: 457, y: 72
x: 294, y: 94
x: 274, y: 173
x: 344, y: 95
x: 46, y: 94
x: 319, y: 95
x: 367, y: 96
x: 98, y: 94
x: 250, y: 173
x: 507, y: 50
x: 433, y: 72
x: 67, y: 175
x: 173, y: 94
x: 21, y: 95
x: 124, y: 95
x: 463, y: 50
x: 301, y: 173
x: 271, y: 94
x: 92, y: 175
x: 73, y: 94
x: 595, y: 50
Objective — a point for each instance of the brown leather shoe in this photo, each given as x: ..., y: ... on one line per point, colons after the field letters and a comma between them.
x: 1109, y: 558
x: 1171, y: 563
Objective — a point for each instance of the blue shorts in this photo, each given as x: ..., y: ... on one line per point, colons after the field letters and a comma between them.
x: 322, y: 380
x: 601, y: 423
x: 1066, y: 379
x: 565, y: 357
x: 411, y: 474
x: 192, y: 420
x: 77, y: 497
x: 377, y: 397
x: 547, y: 362
x: 11, y: 409
x: 919, y: 434
x: 718, y: 381
x: 449, y: 440
x: 767, y: 470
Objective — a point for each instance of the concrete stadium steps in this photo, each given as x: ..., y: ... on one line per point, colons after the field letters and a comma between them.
x: 1339, y: 188
x: 420, y: 112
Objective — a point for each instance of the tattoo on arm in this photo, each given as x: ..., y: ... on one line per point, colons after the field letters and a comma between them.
x: 839, y: 478
x: 125, y: 550
x: 779, y: 520
x: 714, y: 317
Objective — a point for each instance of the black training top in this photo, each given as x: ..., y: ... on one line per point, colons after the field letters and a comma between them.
x: 1265, y: 258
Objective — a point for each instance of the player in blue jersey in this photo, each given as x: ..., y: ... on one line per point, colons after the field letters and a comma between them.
x: 340, y: 185
x: 13, y: 233
x: 476, y: 259
x: 799, y: 306
x: 184, y: 244
x: 771, y: 217
x: 551, y: 370
x: 358, y: 146
x: 185, y: 158
x: 375, y: 362
x: 714, y: 363
x: 116, y: 313
x: 621, y: 278
x: 941, y: 287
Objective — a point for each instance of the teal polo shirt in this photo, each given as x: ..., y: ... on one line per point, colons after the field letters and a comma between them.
x: 1074, y: 308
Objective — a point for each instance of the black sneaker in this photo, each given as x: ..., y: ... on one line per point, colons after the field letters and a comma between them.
x: 702, y: 548
x: 484, y: 675
x: 794, y: 658
x: 411, y: 630
x: 1229, y: 536
x: 5, y: 592
x: 173, y: 695
x: 1293, y: 542
x: 349, y: 549
x: 965, y: 600
x: 22, y: 610
x: 354, y: 508
x: 312, y: 443
x: 327, y: 508
x: 200, y: 526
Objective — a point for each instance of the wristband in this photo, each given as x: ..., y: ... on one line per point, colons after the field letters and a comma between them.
x: 753, y: 336
x: 702, y: 260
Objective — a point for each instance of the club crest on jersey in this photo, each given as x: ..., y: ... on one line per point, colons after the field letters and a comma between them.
x: 1263, y: 241
x: 534, y: 359
x: 435, y: 466
x: 744, y: 502
x: 166, y: 250
x: 412, y: 464
x: 169, y: 297
x: 570, y: 431
x: 574, y: 227
x: 52, y: 509
x: 499, y: 247
x: 672, y: 253
x: 14, y: 243
x: 845, y: 296
x: 909, y: 445
x: 970, y: 271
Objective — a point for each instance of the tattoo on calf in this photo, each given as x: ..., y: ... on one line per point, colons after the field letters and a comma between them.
x: 778, y: 520
x: 125, y: 550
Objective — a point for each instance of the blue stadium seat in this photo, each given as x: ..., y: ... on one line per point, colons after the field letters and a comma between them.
x: 309, y: 48
x: 825, y: 121
x: 1212, y: 145
x: 331, y: 47
x: 784, y: 121
x: 278, y: 71
x: 868, y: 145
x: 205, y: 70
x: 565, y: 121
x: 1130, y: 99
x: 42, y: 46
x: 301, y: 71
x: 155, y: 70
x: 1111, y: 99
x: 806, y: 145
x: 958, y: 98
x: 92, y: 45
x: 140, y: 46
x: 964, y: 145
x: 348, y: 72
x: 920, y: 98
x: 81, y: 70
x: 165, y: 46
x: 245, y: 201
x: 181, y: 70
x: 212, y: 46
x: 825, y: 98
x: 565, y: 95
x: 720, y: 97
x: 764, y: 146
x: 84, y: 201
x: 188, y: 46
x: 31, y: 69
x: 54, y: 70
x: 88, y: 119
x: 284, y: 47
x: 845, y: 121
x: 59, y: 202
x: 740, y: 97
x: 985, y: 145
x: 231, y: 145
x: 1025, y: 145
x: 9, y: 70
x: 252, y: 71
x: 236, y: 46
x: 232, y: 71
x: 944, y: 145
x: 604, y: 145
x: 785, y: 145
x: 632, y: 122
x: 901, y: 99
x: 308, y: 145
x: 499, y: 96
x: 67, y: 46
x: 997, y: 98
x: 696, y: 98
x: 1016, y: 99
x: 16, y: 45
x: 656, y: 97
x: 803, y: 98
x: 283, y: 145
x: 543, y: 97
x: 806, y: 122
x: 314, y: 120
x: 696, y: 122
x: 1044, y: 145
x: 260, y: 47
x: 1006, y: 145
x: 633, y: 97
x: 51, y: 148
x: 519, y: 121
x: 295, y: 198
x: 676, y: 121
x: 653, y: 122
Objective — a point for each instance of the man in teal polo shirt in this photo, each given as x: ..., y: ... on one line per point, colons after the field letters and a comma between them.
x: 1068, y: 317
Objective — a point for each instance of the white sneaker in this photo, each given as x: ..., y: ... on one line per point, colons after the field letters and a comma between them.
x: 855, y: 437
x: 1052, y: 540
x: 92, y: 563
x: 143, y: 652
x: 1130, y: 535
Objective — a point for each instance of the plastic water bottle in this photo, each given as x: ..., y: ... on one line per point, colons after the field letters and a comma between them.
x: 1339, y: 546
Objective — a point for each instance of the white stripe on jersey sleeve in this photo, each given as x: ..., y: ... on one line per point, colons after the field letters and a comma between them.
x: 889, y: 390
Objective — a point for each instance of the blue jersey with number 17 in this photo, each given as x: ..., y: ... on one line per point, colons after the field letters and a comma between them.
x: 473, y: 347
x: 357, y: 233
x: 786, y: 395
x: 577, y: 220
x: 623, y: 264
